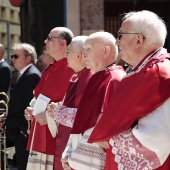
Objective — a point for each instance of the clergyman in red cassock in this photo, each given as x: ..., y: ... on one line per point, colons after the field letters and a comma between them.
x: 135, y: 122
x: 100, y: 54
x: 53, y: 84
x: 65, y: 113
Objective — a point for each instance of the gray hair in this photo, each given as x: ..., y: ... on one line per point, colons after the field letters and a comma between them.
x: 78, y: 42
x: 66, y: 34
x: 149, y: 24
x: 28, y: 50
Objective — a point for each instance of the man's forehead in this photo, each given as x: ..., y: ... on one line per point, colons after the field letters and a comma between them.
x: 87, y: 45
x: 90, y: 42
x: 126, y: 25
x: 20, y: 50
x: 54, y: 32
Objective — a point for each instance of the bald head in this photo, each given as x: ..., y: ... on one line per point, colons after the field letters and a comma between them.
x: 2, y: 51
x: 104, y: 39
x: 64, y: 33
x: 57, y: 42
x: 100, y: 50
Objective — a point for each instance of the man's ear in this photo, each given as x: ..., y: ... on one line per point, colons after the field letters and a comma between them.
x: 28, y: 58
x: 79, y: 54
x: 140, y: 40
x: 107, y: 50
x: 63, y: 42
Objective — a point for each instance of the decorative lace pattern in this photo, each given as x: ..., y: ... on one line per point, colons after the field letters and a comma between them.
x: 87, y: 156
x: 65, y: 115
x: 130, y: 154
x: 40, y: 161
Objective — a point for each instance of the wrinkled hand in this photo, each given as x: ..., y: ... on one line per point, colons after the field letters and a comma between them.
x: 51, y: 108
x: 28, y: 114
x: 103, y: 145
x: 65, y: 164
x: 41, y: 118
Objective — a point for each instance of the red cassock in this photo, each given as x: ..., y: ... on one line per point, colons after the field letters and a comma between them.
x: 53, y: 84
x: 72, y: 99
x: 91, y: 104
x: 136, y: 96
x: 76, y: 88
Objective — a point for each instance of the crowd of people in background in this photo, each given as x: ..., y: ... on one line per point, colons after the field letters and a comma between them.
x: 75, y: 108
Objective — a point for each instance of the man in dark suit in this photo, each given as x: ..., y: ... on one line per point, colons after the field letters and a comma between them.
x: 5, y: 75
x: 16, y: 125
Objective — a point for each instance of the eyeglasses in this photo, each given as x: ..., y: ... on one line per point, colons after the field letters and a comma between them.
x: 68, y: 51
x: 14, y: 56
x: 50, y: 38
x: 120, y: 34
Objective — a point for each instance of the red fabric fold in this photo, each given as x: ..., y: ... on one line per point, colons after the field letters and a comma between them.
x: 76, y: 89
x: 91, y: 105
x: 71, y: 100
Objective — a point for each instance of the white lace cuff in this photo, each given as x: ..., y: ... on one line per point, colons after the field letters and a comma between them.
x: 65, y: 115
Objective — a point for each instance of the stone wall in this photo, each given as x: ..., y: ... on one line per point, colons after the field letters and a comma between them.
x: 91, y: 16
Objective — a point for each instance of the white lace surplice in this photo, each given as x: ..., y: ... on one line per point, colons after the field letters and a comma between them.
x: 87, y: 156
x: 130, y: 154
x: 147, y: 145
x: 40, y: 161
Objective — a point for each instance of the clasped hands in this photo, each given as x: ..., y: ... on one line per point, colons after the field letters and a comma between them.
x: 51, y: 108
x: 41, y: 117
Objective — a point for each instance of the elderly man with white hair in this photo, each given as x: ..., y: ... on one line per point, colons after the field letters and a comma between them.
x: 100, y: 54
x: 137, y: 119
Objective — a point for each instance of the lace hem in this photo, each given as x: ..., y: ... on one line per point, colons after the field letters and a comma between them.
x: 130, y: 154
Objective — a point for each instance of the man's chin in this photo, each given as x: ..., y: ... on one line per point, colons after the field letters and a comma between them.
x: 88, y: 67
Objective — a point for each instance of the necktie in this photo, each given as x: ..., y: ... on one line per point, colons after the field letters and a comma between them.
x: 19, y: 75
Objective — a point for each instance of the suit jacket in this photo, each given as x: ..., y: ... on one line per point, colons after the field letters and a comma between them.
x: 21, y: 96
x: 5, y: 78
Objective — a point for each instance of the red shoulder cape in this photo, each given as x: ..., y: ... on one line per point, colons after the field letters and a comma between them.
x: 136, y: 96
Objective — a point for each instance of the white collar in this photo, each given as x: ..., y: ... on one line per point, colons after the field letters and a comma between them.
x: 2, y: 60
x: 24, y: 69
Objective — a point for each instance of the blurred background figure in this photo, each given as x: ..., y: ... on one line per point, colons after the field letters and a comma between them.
x: 43, y: 60
x: 5, y: 74
x: 5, y: 81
